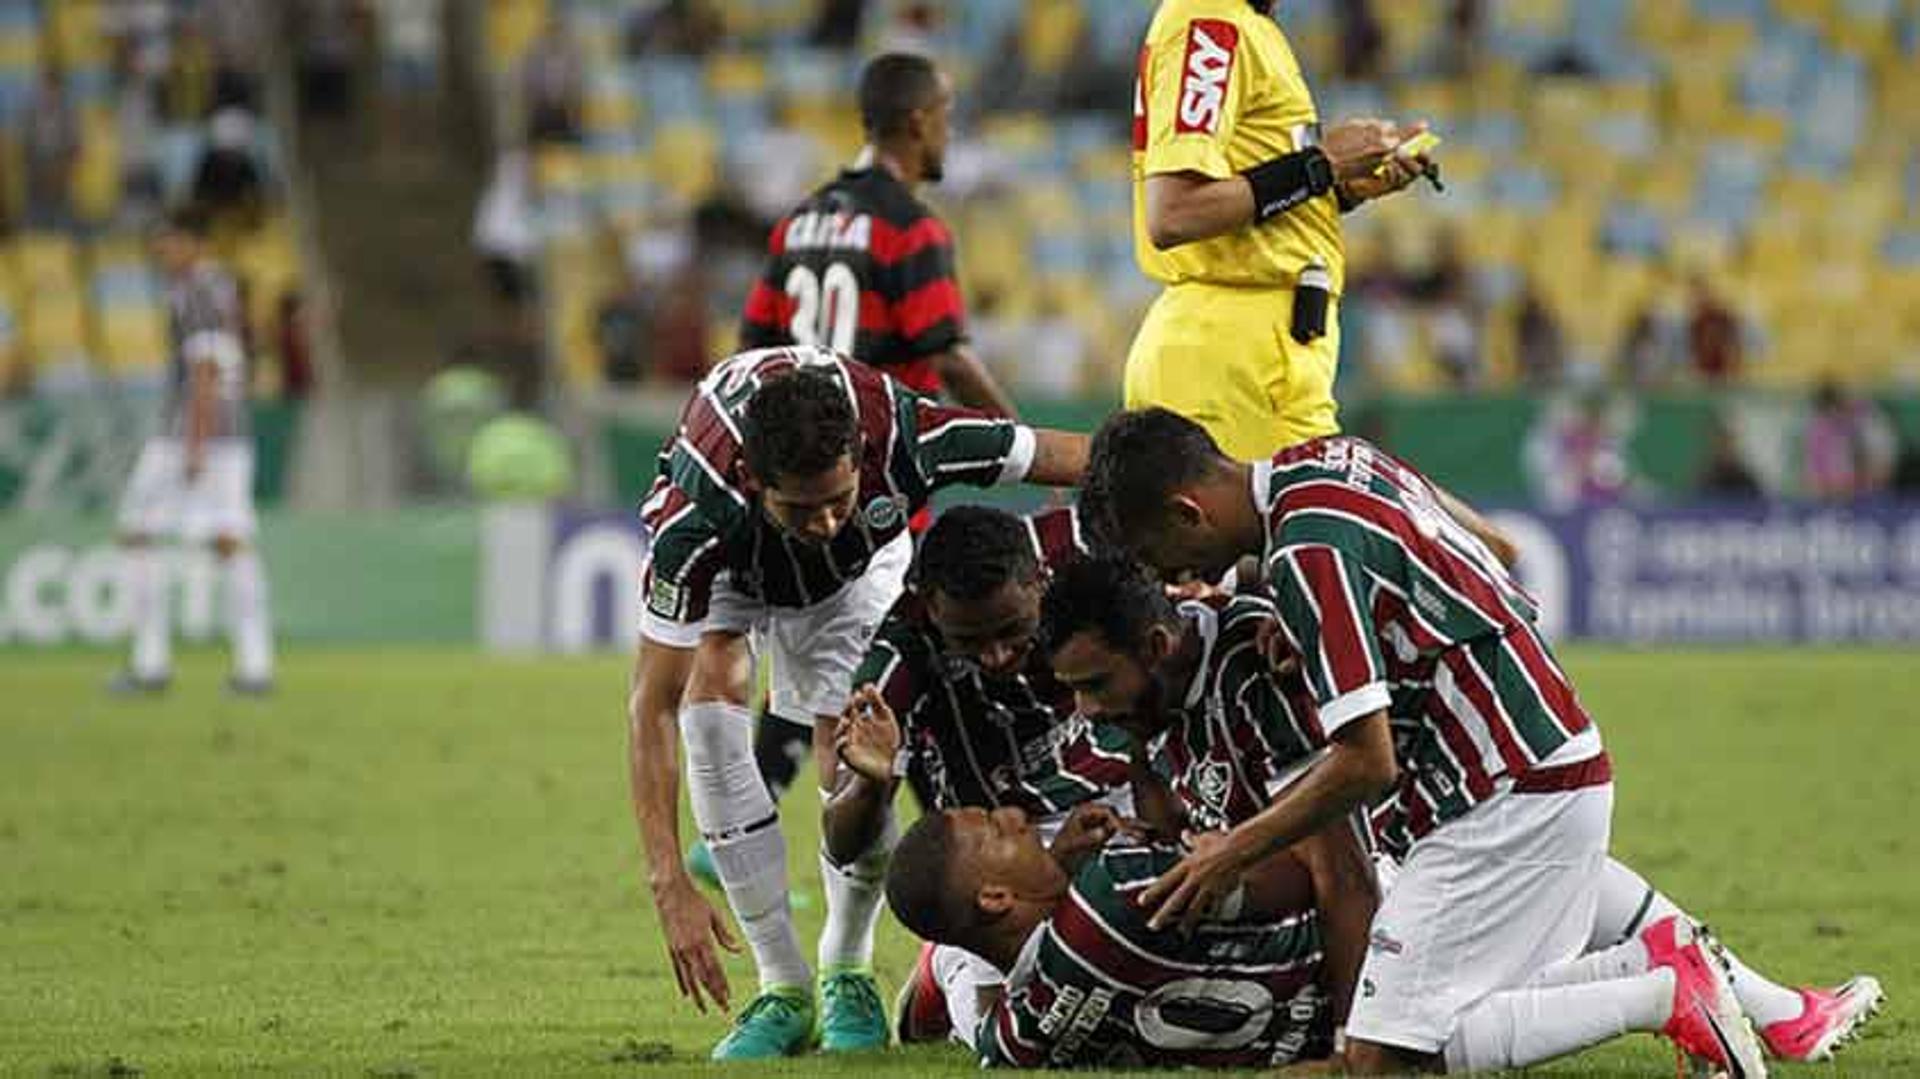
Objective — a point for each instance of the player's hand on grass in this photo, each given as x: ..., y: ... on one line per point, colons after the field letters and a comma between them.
x: 1194, y: 889
x: 692, y: 926
x: 869, y: 738
x: 1088, y: 828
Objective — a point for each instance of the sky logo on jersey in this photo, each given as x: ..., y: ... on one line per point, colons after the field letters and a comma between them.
x: 1204, y: 75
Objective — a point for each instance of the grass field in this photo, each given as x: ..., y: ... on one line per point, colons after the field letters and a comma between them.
x: 421, y: 864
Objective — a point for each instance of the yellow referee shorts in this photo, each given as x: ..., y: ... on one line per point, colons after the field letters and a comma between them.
x: 1223, y: 357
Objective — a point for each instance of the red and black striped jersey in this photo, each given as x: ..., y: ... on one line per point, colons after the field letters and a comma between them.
x: 862, y: 267
x: 703, y: 522
x: 976, y: 739
x: 1095, y: 987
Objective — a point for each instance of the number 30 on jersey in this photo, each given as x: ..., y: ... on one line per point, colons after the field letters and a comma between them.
x: 826, y: 306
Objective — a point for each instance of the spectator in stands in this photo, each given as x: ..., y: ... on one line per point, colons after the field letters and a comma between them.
x: 293, y: 341
x: 1713, y: 335
x: 553, y: 83
x: 621, y: 328
x: 1727, y: 474
x: 1848, y: 446
x: 675, y: 28
x: 327, y: 37
x: 838, y: 24
x: 915, y: 28
x: 186, y: 84
x: 1466, y: 23
x: 503, y: 229
x: 1363, y: 40
x: 1576, y: 455
x: 1651, y: 354
x: 51, y: 145
x: 228, y: 181
x: 410, y: 39
x: 1541, y: 349
x: 236, y: 32
x: 1446, y: 293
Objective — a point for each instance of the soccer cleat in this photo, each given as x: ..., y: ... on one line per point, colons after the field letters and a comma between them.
x: 1831, y: 1019
x: 129, y: 684
x: 777, y: 1023
x: 1707, y: 1025
x: 700, y: 867
x: 249, y: 687
x: 852, y: 1019
x: 920, y: 1011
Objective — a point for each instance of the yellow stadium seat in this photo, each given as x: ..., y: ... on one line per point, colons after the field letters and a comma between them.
x: 96, y: 175
x: 511, y: 27
x: 131, y: 339
x: 1050, y: 34
x: 686, y: 161
x: 46, y: 259
x: 736, y: 73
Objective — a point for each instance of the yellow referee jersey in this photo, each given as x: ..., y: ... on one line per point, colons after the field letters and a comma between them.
x: 1219, y: 91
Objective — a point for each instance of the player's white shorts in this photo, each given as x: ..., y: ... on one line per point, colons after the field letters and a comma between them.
x: 1480, y: 905
x: 813, y: 651
x: 159, y: 501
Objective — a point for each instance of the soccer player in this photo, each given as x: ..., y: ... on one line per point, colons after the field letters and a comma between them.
x: 1089, y: 982
x: 1237, y: 196
x: 780, y: 513
x: 954, y: 698
x: 1430, y: 684
x: 193, y: 482
x: 862, y: 266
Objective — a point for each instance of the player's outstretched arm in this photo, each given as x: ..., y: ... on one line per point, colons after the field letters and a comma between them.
x: 1359, y: 767
x: 1059, y: 458
x: 690, y: 924
x: 856, y: 812
x: 972, y: 384
x: 1486, y: 531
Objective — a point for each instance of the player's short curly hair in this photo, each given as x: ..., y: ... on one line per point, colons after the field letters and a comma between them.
x: 918, y: 881
x: 798, y: 424
x: 1109, y: 594
x: 892, y: 86
x: 1136, y: 463
x: 972, y: 551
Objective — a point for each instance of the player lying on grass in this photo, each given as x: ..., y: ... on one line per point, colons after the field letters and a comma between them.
x: 1796, y: 1024
x: 780, y: 513
x: 1089, y: 982
x: 1431, y: 690
x: 955, y: 699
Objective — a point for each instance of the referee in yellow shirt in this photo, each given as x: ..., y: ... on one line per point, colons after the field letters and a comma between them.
x: 1237, y: 197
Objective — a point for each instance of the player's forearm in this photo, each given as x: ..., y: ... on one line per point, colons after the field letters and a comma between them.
x: 1486, y: 531
x: 1059, y: 458
x: 854, y: 817
x: 1358, y: 768
x: 200, y: 409
x: 972, y: 384
x: 1183, y: 207
x: 1345, y: 893
x: 654, y: 767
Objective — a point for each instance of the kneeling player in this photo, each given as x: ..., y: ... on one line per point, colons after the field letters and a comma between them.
x: 957, y: 701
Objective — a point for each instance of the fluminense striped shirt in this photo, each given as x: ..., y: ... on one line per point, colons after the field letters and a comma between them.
x: 702, y: 522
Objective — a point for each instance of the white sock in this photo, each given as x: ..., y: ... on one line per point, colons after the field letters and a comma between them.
x: 854, y: 893
x: 737, y: 818
x: 249, y: 625
x: 152, y: 629
x: 1624, y: 960
x: 1629, y: 904
x: 1521, y: 1027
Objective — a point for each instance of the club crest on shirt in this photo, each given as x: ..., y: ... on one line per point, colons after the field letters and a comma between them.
x: 1214, y: 779
x: 884, y: 511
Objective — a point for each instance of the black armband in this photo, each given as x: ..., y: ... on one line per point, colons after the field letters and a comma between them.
x: 1285, y: 182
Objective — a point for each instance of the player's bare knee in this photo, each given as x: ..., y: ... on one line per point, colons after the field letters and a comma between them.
x: 225, y: 547
x: 720, y: 673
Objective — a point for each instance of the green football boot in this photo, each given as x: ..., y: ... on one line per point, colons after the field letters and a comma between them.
x: 777, y: 1023
x: 852, y: 1019
x: 699, y: 863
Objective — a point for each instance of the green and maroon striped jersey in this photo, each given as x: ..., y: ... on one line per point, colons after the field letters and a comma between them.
x: 974, y: 739
x: 702, y: 522
x: 1393, y: 604
x: 1240, y: 733
x: 1094, y: 987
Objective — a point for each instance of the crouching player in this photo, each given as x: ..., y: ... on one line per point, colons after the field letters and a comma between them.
x: 780, y: 517
x: 955, y: 699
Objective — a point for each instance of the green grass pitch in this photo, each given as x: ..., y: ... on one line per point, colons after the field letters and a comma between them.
x: 422, y: 864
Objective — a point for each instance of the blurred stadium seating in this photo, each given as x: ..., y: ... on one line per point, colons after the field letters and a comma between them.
x: 79, y: 303
x: 1768, y: 147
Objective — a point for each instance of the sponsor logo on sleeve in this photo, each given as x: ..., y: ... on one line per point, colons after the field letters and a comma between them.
x: 1204, y: 75
x: 663, y: 598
